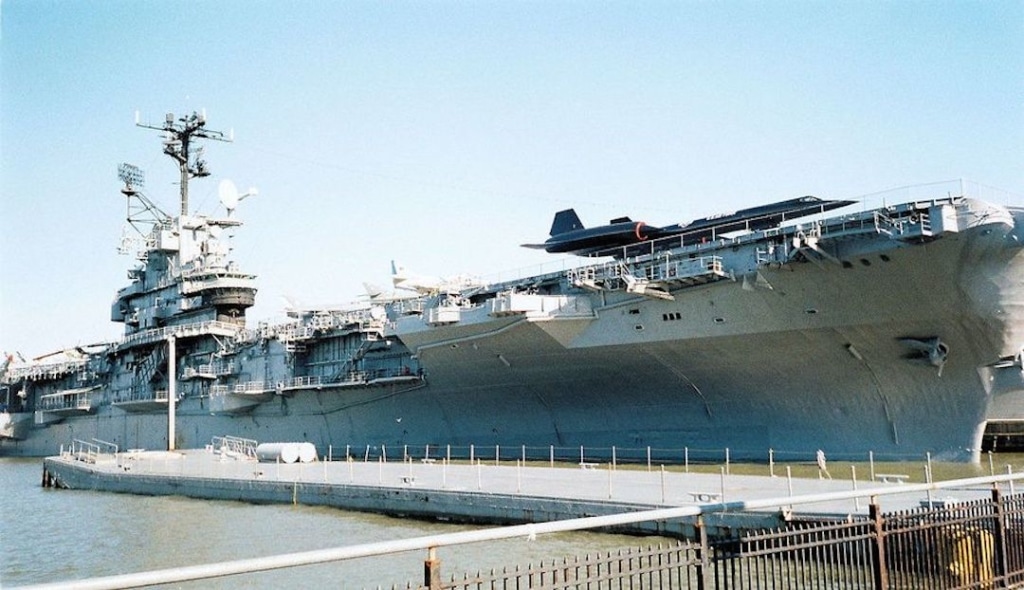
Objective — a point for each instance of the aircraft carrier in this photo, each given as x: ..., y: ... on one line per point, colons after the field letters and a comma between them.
x: 897, y: 330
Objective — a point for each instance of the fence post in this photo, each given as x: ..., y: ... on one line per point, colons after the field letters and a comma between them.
x: 880, y: 571
x: 1001, y: 565
x: 703, y: 555
x: 432, y: 570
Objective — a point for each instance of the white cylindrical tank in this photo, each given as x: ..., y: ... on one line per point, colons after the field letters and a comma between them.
x: 307, y: 452
x: 278, y: 452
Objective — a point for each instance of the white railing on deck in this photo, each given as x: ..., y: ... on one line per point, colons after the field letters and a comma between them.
x: 234, y: 444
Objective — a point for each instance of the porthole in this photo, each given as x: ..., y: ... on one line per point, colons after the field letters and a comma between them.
x: 884, y: 257
x: 811, y: 311
x: 865, y: 262
x: 639, y: 327
x: 719, y: 320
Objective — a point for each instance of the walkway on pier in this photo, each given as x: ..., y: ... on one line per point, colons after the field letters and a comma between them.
x: 481, y: 492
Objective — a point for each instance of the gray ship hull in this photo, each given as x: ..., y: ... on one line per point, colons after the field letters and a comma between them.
x: 792, y: 357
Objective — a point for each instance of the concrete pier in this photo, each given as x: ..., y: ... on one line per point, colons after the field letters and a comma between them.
x: 479, y: 493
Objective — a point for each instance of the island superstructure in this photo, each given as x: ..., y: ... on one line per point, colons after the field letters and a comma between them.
x: 896, y: 330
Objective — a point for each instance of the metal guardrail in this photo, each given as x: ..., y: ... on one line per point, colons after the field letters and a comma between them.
x: 89, y: 452
x: 186, y: 330
x: 79, y: 399
x: 245, y: 447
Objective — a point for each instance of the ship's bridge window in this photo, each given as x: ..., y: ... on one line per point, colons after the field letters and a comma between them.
x: 675, y: 315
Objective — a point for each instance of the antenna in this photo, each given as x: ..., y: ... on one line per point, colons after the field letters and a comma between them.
x: 141, y: 211
x: 132, y: 176
x: 179, y: 133
x: 228, y: 194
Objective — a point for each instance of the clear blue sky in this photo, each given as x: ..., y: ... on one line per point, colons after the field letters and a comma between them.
x: 445, y: 134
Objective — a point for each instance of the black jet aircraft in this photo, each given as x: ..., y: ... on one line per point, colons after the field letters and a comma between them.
x: 616, y: 238
x: 569, y: 235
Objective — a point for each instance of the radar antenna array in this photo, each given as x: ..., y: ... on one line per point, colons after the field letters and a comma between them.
x: 143, y: 213
x: 178, y: 135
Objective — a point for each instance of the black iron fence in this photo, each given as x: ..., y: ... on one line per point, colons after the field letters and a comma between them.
x: 968, y: 545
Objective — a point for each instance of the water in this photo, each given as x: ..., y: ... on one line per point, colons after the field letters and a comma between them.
x: 49, y: 535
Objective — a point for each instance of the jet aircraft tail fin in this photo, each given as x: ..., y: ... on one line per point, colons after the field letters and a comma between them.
x: 565, y: 221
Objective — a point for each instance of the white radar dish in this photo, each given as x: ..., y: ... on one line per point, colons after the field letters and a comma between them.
x: 228, y: 193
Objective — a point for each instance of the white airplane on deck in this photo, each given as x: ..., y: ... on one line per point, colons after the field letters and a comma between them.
x: 427, y: 285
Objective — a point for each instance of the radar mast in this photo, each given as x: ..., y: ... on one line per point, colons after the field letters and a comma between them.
x: 178, y: 135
